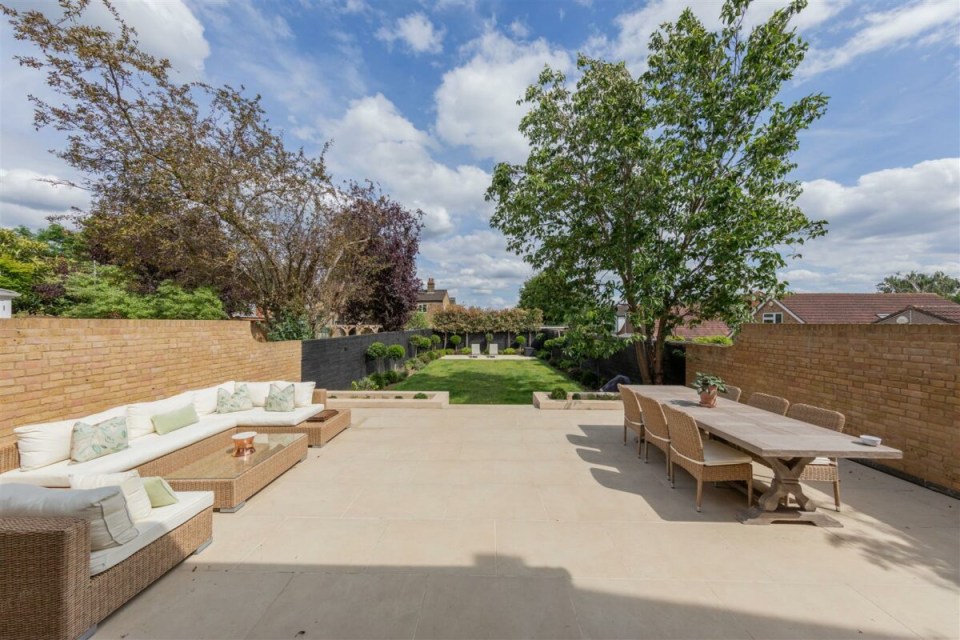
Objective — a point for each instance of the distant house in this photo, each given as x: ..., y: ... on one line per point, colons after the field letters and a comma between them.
x: 6, y: 302
x: 686, y: 331
x: 431, y: 299
x: 847, y: 308
x: 946, y: 313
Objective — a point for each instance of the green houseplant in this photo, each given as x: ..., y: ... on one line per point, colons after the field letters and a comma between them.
x: 707, y: 386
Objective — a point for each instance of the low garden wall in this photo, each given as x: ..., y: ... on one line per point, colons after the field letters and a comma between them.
x: 53, y: 368
x: 899, y: 382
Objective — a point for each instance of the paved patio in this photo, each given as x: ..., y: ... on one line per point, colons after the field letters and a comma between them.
x: 508, y: 522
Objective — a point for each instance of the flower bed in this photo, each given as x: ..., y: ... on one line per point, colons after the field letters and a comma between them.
x: 542, y: 400
x: 387, y: 399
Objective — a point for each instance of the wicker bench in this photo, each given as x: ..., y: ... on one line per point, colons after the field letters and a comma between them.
x: 47, y: 590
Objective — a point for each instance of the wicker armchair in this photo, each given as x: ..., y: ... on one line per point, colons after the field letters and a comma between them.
x: 655, y: 429
x: 709, y: 461
x: 773, y: 404
x: 732, y: 393
x: 632, y: 416
x: 821, y: 469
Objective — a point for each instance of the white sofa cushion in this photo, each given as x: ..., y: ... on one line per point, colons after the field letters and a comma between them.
x: 43, y: 444
x: 130, y: 483
x: 257, y: 391
x: 716, y: 453
x: 205, y: 400
x: 260, y: 417
x: 160, y: 522
x: 139, y: 416
x: 141, y: 450
x: 303, y: 393
x: 104, y: 508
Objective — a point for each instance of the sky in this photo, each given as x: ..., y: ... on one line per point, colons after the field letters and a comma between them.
x: 420, y: 96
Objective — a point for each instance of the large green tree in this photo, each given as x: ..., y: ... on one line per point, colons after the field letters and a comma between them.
x: 551, y: 292
x: 668, y: 192
x: 916, y: 282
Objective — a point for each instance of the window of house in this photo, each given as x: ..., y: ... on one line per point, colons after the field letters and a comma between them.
x: 773, y: 318
x: 422, y: 307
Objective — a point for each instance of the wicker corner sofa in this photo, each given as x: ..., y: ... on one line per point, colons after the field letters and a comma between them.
x: 47, y: 589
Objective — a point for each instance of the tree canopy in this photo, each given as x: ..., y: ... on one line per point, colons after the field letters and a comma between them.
x: 668, y: 192
x: 916, y: 282
x: 552, y: 292
x: 190, y: 184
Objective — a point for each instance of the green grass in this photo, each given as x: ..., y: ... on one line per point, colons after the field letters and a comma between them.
x: 487, y: 381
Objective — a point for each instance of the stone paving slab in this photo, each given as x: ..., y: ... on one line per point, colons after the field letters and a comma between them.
x: 508, y: 522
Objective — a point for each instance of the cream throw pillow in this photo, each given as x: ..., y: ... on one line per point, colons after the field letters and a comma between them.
x: 130, y: 483
x: 303, y: 393
x: 105, y: 509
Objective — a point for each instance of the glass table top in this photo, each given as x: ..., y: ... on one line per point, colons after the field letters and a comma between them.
x: 222, y: 464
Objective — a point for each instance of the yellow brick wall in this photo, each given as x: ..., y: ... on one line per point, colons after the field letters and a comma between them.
x: 56, y: 368
x: 899, y: 382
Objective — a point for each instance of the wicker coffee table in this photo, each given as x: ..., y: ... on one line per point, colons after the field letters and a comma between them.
x: 233, y: 480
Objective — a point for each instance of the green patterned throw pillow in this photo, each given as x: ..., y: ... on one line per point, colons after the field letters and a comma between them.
x: 280, y: 398
x: 164, y: 423
x: 239, y: 400
x: 89, y: 441
x: 159, y: 492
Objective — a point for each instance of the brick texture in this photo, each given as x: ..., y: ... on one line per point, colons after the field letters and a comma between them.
x: 899, y: 382
x: 57, y: 368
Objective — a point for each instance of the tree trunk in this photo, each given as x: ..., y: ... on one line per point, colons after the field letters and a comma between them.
x: 640, y: 348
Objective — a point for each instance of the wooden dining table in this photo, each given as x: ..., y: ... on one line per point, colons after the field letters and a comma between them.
x: 785, y: 444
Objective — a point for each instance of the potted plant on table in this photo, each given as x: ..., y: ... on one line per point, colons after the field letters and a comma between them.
x: 707, y: 386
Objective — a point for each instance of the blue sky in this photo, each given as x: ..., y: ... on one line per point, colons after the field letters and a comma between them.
x: 420, y: 96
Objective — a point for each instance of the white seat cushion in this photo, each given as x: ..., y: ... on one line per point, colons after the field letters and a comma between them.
x: 260, y: 417
x: 160, y: 522
x: 42, y: 444
x: 141, y: 450
x: 205, y: 400
x: 716, y: 453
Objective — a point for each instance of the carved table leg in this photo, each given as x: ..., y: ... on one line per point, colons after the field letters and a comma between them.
x: 786, y: 482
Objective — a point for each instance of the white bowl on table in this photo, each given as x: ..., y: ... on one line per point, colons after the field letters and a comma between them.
x: 870, y: 441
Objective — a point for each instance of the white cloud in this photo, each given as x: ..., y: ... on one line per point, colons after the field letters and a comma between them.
x: 518, y: 29
x: 373, y: 140
x: 921, y: 23
x: 636, y: 27
x: 477, y: 101
x: 416, y: 31
x: 29, y: 198
x: 476, y: 267
x: 900, y: 219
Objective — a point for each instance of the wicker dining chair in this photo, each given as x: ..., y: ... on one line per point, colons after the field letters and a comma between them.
x: 732, y: 393
x: 821, y: 469
x: 632, y: 416
x: 773, y: 404
x: 655, y: 429
x: 705, y: 460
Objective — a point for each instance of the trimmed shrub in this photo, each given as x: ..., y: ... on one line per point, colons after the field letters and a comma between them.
x: 364, y: 384
x: 455, y: 340
x: 521, y: 341
x: 376, y: 351
x: 465, y: 351
x: 509, y: 351
x: 575, y: 396
x: 396, y: 352
x: 435, y: 341
x: 392, y: 377
x: 723, y: 340
x: 420, y: 396
x: 559, y: 393
x: 380, y: 379
x: 413, y: 363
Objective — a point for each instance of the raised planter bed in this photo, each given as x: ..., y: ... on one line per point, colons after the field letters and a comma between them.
x: 387, y: 399
x: 542, y: 400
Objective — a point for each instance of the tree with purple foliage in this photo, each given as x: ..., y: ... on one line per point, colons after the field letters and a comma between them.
x: 387, y: 294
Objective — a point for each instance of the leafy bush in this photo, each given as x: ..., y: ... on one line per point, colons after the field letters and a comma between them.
x: 455, y: 340
x: 376, y: 351
x: 575, y: 396
x: 392, y: 377
x: 465, y: 351
x: 364, y: 384
x: 543, y: 354
x: 435, y: 341
x: 724, y: 340
x: 379, y: 379
x: 424, y: 358
x: 288, y: 327
x: 396, y: 352
x: 420, y: 396
x: 404, y: 374
x: 413, y: 363
x: 566, y: 364
x: 449, y: 352
x: 509, y: 351
x: 590, y: 379
x: 559, y: 393
x: 521, y: 341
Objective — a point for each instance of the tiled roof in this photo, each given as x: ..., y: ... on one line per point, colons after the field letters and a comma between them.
x: 436, y: 295
x: 853, y: 308
x: 947, y: 311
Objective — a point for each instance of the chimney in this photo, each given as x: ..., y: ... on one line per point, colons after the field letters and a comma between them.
x: 430, y: 285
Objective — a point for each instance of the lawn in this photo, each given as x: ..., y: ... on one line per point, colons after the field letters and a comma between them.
x: 487, y: 381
